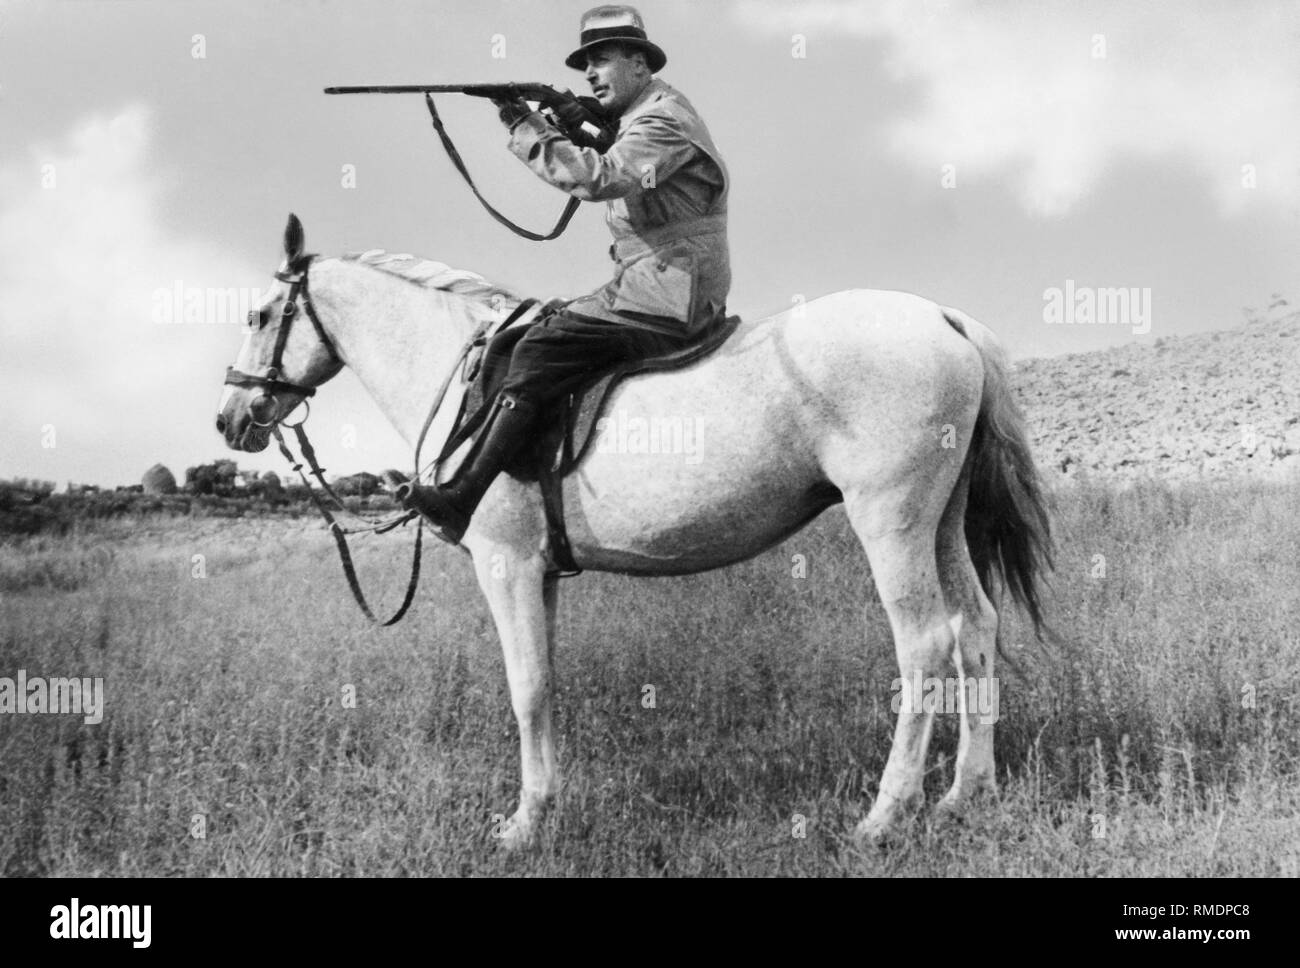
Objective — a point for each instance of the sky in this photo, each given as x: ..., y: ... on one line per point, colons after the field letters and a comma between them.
x: 1018, y: 160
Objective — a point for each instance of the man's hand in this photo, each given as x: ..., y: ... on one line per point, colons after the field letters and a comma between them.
x: 512, y: 110
x: 570, y: 115
x: 569, y: 118
x: 580, y: 137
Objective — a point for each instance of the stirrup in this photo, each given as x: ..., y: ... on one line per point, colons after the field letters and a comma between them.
x: 445, y: 519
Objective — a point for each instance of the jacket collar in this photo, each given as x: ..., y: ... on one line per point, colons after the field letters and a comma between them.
x: 653, y: 91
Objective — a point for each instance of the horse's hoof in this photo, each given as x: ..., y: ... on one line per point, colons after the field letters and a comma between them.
x: 950, y: 812
x: 886, y: 819
x: 517, y: 834
x: 955, y: 805
x: 951, y: 805
x: 874, y: 835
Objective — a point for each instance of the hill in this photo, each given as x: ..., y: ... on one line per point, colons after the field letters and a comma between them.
x: 1207, y: 405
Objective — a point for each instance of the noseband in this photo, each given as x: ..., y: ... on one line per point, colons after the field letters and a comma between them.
x: 270, y: 382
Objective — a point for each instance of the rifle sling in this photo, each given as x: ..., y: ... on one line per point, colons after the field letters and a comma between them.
x: 454, y: 155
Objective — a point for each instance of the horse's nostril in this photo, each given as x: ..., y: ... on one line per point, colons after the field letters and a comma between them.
x: 262, y: 410
x: 221, y: 424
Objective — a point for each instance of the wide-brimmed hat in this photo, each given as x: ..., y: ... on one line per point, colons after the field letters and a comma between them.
x: 613, y: 22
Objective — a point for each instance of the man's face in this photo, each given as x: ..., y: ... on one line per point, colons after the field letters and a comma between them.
x: 616, y: 78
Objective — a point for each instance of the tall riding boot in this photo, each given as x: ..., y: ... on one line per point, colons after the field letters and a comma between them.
x: 449, y: 506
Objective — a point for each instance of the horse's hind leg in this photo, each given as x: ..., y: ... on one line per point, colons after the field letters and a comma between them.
x: 976, y: 623
x: 903, y: 564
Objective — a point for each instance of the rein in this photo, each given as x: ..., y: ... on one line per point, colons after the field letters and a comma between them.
x: 270, y: 383
x: 340, y: 534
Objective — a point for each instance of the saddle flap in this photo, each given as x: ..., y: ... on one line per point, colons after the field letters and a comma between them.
x: 587, y: 405
x: 567, y: 427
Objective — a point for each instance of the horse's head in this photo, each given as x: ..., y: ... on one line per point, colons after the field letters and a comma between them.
x: 280, y: 364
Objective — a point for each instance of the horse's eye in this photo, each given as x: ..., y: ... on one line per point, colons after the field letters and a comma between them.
x: 256, y: 319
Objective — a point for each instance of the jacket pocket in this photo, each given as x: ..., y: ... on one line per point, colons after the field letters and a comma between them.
x: 658, y: 284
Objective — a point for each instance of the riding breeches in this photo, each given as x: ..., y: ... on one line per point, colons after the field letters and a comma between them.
x: 560, y: 353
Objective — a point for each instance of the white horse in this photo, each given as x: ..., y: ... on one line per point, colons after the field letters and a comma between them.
x: 883, y: 400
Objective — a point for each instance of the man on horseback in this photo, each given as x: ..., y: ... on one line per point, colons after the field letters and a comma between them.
x: 665, y: 186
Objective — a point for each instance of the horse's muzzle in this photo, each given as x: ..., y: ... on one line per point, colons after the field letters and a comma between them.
x: 243, y: 434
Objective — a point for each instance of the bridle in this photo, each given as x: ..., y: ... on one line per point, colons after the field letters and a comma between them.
x: 270, y: 382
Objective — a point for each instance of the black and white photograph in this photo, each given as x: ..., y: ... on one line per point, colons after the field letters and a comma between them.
x: 720, y: 439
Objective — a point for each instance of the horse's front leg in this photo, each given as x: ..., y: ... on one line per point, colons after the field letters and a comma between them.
x: 520, y: 598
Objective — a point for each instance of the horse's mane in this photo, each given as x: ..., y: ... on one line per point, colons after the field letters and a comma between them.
x: 431, y: 275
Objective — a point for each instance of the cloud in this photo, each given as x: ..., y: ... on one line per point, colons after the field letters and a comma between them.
x: 1050, y: 96
x: 84, y: 252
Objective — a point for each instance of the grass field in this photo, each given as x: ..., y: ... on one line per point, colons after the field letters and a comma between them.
x: 1161, y: 738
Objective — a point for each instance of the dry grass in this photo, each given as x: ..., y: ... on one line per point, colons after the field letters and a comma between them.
x: 224, y: 701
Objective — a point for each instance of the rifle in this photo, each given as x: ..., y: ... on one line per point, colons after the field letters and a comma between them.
x: 584, y: 111
x: 578, y: 113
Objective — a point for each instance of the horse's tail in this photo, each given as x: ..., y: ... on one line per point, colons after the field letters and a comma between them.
x: 1007, y: 524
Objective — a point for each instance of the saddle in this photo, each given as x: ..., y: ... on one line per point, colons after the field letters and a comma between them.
x: 566, y: 428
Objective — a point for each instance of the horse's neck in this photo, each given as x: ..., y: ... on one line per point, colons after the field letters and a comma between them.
x: 400, y: 339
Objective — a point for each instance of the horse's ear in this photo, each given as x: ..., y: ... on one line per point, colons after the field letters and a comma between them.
x: 293, y: 239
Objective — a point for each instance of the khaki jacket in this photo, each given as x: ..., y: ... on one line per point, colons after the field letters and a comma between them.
x: 665, y: 186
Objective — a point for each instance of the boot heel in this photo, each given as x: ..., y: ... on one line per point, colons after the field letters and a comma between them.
x: 436, y: 507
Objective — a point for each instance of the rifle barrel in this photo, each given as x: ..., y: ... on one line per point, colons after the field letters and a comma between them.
x: 419, y: 88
